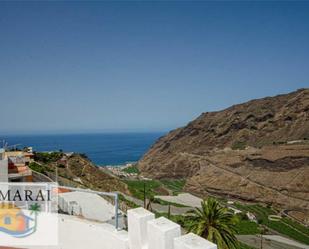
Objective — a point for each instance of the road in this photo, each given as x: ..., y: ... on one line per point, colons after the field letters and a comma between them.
x: 271, y: 242
x: 158, y: 207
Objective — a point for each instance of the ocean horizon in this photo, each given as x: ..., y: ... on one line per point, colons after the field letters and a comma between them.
x: 102, y: 149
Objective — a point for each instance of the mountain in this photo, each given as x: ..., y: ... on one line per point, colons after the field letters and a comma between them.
x: 255, y: 151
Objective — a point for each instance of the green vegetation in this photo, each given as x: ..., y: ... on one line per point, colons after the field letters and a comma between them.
x: 39, y: 168
x: 286, y: 226
x: 47, y: 157
x: 238, y: 145
x: 131, y: 170
x: 153, y: 187
x: 184, y: 222
x: 214, y: 223
x: 174, y: 185
x: 136, y: 187
x: 245, y: 227
x: 296, y: 225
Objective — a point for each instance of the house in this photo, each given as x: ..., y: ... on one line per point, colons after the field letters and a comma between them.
x: 13, y: 221
x: 251, y: 217
x: 14, y: 166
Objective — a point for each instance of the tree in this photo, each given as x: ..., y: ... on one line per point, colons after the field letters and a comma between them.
x: 35, y: 209
x: 215, y: 223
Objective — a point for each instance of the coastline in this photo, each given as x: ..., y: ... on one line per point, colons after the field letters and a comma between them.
x: 103, y: 149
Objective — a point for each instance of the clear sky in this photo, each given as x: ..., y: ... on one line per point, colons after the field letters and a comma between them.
x: 143, y: 66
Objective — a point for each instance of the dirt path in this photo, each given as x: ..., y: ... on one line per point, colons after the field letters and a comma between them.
x: 247, y: 178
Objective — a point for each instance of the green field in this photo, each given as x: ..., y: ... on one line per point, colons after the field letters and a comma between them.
x: 176, y: 186
x: 39, y: 168
x: 131, y: 169
x: 136, y: 187
x: 285, y: 226
x: 245, y: 227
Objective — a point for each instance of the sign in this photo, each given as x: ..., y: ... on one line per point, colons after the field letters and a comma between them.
x: 28, y: 214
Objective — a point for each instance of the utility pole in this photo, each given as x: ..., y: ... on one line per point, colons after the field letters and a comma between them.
x: 169, y: 211
x: 144, y: 194
x: 262, y: 232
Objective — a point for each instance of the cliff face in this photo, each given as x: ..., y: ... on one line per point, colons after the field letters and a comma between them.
x: 249, y: 151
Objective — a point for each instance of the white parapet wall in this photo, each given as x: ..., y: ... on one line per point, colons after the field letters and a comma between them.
x: 161, y: 233
x: 146, y: 232
x: 192, y: 241
x: 137, y: 227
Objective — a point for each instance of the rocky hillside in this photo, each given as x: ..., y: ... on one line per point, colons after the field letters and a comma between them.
x: 257, y: 150
x: 78, y: 171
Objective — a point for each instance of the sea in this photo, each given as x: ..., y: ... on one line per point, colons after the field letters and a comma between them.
x: 104, y: 149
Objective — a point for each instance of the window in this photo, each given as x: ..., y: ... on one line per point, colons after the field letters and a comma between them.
x: 7, y: 220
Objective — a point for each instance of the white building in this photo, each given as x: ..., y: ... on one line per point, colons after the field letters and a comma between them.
x: 3, y: 166
x: 87, y: 205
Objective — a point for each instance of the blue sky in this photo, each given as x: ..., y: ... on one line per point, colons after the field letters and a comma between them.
x: 143, y: 66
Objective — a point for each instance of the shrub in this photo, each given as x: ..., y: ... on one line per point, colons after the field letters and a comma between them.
x: 238, y: 145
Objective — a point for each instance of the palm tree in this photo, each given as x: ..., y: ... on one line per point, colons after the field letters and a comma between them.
x: 35, y: 209
x: 215, y: 223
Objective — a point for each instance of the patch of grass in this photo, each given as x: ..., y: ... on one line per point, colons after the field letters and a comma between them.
x: 47, y: 157
x: 174, y: 185
x: 39, y: 168
x: 136, y: 187
x: 131, y: 170
x: 246, y: 227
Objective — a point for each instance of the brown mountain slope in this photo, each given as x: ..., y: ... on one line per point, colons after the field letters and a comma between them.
x: 243, y: 151
x: 78, y: 171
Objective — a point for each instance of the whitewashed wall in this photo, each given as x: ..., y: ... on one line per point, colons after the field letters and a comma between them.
x: 145, y: 232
